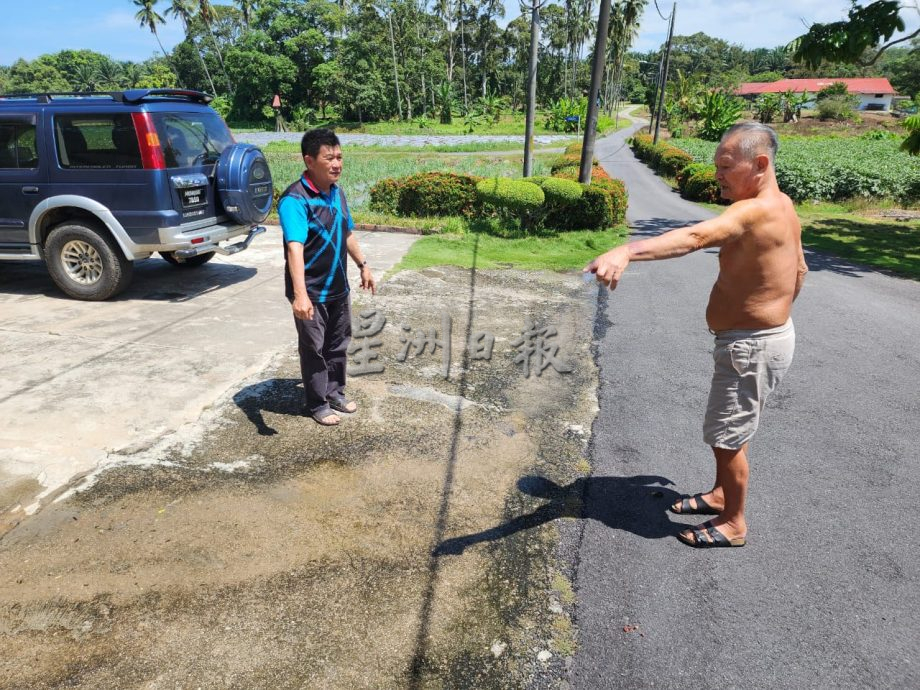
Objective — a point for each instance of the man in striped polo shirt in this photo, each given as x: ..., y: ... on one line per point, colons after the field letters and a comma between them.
x: 317, y: 234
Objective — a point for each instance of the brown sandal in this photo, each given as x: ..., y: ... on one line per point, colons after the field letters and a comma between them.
x: 707, y: 536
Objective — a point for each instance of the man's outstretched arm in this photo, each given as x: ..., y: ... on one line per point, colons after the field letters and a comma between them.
x: 710, y: 233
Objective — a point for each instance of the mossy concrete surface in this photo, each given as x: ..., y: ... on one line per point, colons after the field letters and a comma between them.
x: 404, y: 548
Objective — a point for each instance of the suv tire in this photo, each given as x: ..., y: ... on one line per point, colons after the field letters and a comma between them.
x: 86, y: 264
x: 194, y: 261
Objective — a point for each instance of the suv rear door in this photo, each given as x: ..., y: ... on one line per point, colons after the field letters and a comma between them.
x: 192, y: 141
x: 21, y: 181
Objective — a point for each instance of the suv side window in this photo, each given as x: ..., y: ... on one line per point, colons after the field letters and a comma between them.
x: 17, y: 146
x: 97, y: 141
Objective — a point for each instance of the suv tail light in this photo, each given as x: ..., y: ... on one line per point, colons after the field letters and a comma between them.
x: 151, y: 152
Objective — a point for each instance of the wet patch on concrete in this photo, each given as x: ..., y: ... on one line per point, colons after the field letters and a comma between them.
x: 410, y: 547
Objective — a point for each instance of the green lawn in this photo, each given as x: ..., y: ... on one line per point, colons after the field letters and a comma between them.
x: 877, y: 242
x: 560, y: 252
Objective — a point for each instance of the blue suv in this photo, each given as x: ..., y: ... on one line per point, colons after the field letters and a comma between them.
x: 90, y: 183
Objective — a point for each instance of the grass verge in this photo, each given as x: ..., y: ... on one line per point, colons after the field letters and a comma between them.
x: 560, y: 252
x: 890, y: 245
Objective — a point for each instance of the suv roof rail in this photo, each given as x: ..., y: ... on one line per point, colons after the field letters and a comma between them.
x: 128, y: 96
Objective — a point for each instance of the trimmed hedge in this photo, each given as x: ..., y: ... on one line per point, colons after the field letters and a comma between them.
x: 438, y: 194
x: 672, y: 160
x: 559, y: 202
x: 665, y: 158
x: 687, y: 171
x: 574, y: 149
x: 426, y: 194
x: 619, y: 199
x: 560, y: 192
x: 514, y: 195
x: 702, y: 186
x: 385, y: 196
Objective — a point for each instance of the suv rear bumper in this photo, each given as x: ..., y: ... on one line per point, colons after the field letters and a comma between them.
x: 205, y: 247
x: 208, y: 232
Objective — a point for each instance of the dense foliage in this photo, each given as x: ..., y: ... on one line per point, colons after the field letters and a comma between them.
x: 369, y: 61
x: 832, y: 168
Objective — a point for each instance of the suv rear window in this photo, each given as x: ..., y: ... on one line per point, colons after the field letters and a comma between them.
x: 191, y: 138
x: 97, y: 141
x: 17, y: 146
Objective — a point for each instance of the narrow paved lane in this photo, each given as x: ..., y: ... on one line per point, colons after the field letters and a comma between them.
x: 826, y: 593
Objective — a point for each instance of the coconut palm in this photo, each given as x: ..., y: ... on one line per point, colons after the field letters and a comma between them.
x: 84, y: 78
x: 110, y: 75
x: 206, y: 14
x: 184, y: 11
x: 444, y: 11
x: 246, y: 7
x: 150, y: 19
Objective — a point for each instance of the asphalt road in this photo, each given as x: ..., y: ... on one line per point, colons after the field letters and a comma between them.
x: 826, y: 593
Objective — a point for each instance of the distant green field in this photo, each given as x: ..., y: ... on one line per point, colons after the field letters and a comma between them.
x: 835, y: 168
x: 364, y: 168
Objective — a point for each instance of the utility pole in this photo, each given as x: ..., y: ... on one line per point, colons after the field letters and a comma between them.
x: 664, y: 73
x: 531, y: 87
x: 597, y: 74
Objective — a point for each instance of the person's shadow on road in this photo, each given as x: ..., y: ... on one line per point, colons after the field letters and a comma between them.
x: 281, y: 396
x: 634, y: 504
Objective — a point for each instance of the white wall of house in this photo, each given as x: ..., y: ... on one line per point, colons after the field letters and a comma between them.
x: 877, y: 101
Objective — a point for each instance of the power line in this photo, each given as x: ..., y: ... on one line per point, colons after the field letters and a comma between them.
x: 659, y: 12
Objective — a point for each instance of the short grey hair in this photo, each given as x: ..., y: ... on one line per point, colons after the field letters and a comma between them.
x: 754, y: 139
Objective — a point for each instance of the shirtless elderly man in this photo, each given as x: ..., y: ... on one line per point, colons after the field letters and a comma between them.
x: 761, y: 270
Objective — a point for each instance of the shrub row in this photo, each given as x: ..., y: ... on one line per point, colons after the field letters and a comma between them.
x: 426, y: 194
x: 665, y: 158
x: 559, y: 202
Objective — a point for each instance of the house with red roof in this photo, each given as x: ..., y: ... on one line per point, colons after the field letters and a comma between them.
x: 875, y: 93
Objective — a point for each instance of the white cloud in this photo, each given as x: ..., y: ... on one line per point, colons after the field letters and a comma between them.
x: 751, y: 24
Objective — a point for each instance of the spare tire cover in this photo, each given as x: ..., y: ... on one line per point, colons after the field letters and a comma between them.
x: 244, y: 184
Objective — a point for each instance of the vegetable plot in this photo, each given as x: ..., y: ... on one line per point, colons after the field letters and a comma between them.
x: 832, y: 169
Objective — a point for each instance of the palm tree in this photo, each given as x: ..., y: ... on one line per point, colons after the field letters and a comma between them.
x: 110, y: 75
x: 624, y: 28
x: 84, y: 78
x: 442, y: 9
x: 206, y: 14
x: 148, y: 17
x: 184, y: 10
x: 132, y: 74
x: 246, y: 7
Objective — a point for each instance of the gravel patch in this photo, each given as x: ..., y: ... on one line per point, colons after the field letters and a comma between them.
x: 262, y: 138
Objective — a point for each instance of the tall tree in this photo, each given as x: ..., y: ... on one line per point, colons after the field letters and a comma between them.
x: 206, y: 14
x: 150, y: 19
x: 246, y: 8
x: 184, y: 10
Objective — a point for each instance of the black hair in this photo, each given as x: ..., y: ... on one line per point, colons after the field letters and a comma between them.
x: 314, y: 139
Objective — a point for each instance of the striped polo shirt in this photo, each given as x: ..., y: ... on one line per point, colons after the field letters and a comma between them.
x: 322, y: 223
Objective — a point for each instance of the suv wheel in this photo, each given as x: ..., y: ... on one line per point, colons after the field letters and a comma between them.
x: 199, y: 260
x: 86, y: 264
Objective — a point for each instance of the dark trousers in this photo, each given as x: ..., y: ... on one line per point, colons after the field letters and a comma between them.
x: 323, y: 347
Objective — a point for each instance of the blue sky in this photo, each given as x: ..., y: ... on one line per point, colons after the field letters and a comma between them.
x: 33, y: 27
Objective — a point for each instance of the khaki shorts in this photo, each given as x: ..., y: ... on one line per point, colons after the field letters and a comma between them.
x: 748, y: 366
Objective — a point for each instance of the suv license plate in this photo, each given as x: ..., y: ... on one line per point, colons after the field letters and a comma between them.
x: 192, y: 197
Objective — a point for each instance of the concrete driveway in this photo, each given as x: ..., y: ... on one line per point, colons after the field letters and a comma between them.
x: 87, y: 384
